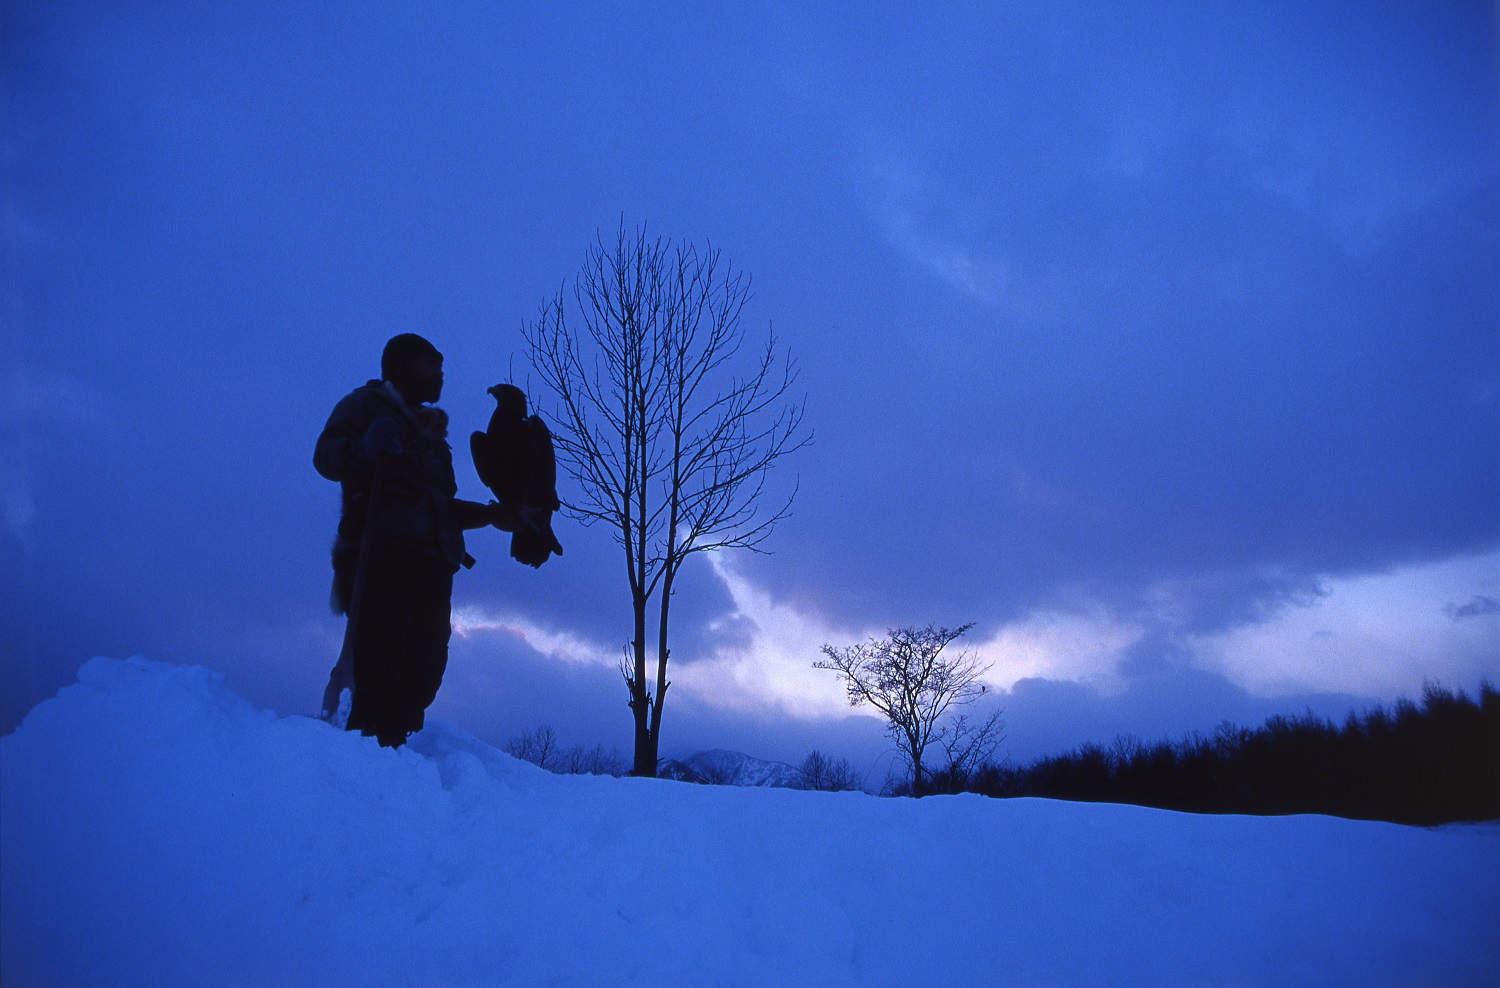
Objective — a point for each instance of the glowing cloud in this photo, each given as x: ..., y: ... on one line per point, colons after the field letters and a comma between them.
x: 471, y: 622
x: 1085, y: 646
x: 773, y: 668
x: 1380, y: 635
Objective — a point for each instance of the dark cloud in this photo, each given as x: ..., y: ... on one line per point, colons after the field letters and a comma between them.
x: 1091, y: 304
x: 1047, y: 717
x: 1226, y: 385
x: 1478, y: 606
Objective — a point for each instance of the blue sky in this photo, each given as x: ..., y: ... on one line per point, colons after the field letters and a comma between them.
x: 1161, y: 340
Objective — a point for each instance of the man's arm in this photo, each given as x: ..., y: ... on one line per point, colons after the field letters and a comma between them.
x: 472, y: 514
x: 351, y: 443
x: 339, y: 454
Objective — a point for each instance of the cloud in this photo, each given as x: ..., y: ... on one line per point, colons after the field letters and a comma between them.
x: 984, y: 278
x: 1377, y: 635
x: 756, y: 658
x: 906, y: 201
x: 472, y: 622
x: 1479, y: 606
x: 1088, y: 645
x: 765, y: 660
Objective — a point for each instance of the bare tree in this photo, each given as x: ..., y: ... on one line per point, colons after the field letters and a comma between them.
x: 536, y: 746
x: 711, y: 773
x: 969, y: 745
x: 907, y: 677
x: 825, y: 774
x: 540, y: 747
x: 667, y: 422
x: 579, y: 760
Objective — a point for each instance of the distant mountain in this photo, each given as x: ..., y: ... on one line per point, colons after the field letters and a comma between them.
x: 730, y: 768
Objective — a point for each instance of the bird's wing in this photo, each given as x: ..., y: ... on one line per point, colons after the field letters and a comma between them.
x: 542, y: 476
x: 484, y: 465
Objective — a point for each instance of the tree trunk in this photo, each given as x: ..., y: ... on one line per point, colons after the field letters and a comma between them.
x: 916, y: 766
x: 662, y: 653
x: 640, y: 700
x: 647, y: 754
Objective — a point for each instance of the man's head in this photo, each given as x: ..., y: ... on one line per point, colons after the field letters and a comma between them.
x: 414, y: 366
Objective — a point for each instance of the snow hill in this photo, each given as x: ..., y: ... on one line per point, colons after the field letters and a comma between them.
x: 159, y: 830
x: 730, y: 768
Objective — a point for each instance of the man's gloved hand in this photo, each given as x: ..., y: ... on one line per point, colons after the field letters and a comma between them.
x: 511, y: 518
x: 383, y: 437
x: 502, y: 516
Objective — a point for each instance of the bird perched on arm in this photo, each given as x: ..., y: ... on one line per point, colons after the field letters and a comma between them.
x: 514, y: 458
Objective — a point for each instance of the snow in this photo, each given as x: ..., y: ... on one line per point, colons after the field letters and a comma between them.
x: 156, y: 829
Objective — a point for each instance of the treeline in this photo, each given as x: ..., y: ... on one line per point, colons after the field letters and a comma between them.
x: 1425, y: 764
x: 541, y: 748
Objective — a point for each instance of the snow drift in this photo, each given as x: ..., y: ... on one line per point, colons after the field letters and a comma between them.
x: 159, y: 830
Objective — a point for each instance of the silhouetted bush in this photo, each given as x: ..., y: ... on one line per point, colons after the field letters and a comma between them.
x: 541, y: 748
x: 820, y: 772
x: 1437, y: 762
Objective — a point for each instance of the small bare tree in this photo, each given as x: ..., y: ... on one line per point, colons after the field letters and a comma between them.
x: 969, y: 745
x: 825, y: 774
x: 907, y: 678
x: 536, y: 746
x: 669, y: 427
x: 541, y: 748
x: 579, y: 760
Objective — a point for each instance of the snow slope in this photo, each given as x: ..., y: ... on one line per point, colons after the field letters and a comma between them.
x: 158, y: 830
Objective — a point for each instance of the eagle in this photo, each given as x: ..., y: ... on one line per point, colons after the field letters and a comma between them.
x: 514, y: 458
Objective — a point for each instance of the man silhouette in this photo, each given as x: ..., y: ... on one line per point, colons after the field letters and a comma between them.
x: 400, y: 540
